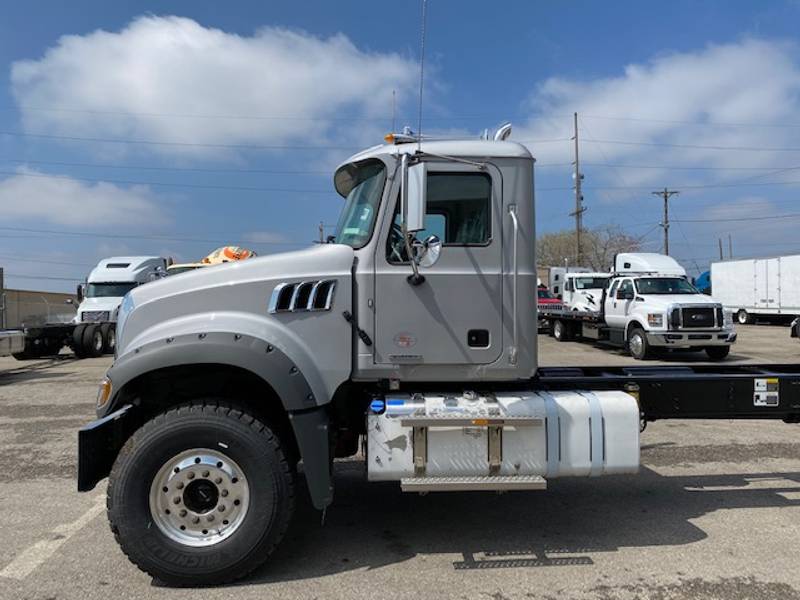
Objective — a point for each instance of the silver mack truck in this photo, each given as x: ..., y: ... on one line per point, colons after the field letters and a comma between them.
x: 413, y: 331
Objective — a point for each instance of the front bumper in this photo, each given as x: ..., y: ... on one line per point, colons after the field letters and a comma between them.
x: 690, y: 339
x: 99, y: 443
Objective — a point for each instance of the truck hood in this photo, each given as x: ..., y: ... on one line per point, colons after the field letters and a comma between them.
x: 664, y: 301
x: 289, y: 265
x: 109, y: 303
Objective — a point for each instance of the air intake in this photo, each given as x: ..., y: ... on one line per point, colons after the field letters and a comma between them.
x: 302, y: 296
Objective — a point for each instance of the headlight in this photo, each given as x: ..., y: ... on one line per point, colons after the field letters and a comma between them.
x: 655, y: 320
x: 123, y: 311
x: 727, y: 319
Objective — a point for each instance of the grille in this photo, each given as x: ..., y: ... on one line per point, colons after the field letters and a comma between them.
x: 302, y: 296
x: 94, y: 316
x: 698, y: 317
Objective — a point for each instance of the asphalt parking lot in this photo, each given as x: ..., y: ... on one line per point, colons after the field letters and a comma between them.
x: 714, y: 513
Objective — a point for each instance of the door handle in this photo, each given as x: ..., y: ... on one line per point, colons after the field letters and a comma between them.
x: 512, y: 352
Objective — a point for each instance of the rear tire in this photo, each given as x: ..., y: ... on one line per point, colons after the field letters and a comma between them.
x: 168, y: 546
x: 743, y: 317
x: 93, y: 341
x: 638, y: 346
x: 560, y: 331
x: 77, y: 340
x: 109, y: 333
x: 718, y: 352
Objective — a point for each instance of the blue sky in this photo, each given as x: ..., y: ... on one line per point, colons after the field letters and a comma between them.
x: 239, y: 116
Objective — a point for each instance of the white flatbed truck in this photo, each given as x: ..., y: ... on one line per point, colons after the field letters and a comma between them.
x: 648, y: 304
x: 414, y: 330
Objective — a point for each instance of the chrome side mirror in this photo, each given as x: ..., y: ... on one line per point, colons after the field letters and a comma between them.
x: 426, y: 253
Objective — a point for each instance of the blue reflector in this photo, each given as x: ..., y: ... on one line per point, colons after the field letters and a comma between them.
x: 395, y: 402
x: 376, y: 406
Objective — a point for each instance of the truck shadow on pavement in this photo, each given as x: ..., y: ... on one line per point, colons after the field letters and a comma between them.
x: 36, y: 369
x: 376, y: 525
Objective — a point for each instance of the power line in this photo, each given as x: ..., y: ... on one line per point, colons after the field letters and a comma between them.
x: 695, y: 146
x: 167, y: 184
x: 162, y: 168
x: 731, y: 220
x: 174, y: 143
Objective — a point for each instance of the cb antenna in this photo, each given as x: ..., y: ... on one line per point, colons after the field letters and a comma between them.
x: 421, y: 72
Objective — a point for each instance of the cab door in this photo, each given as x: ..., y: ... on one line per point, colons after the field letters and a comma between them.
x: 455, y: 316
x: 618, y: 303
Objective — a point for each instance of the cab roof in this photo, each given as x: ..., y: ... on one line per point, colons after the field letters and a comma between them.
x: 466, y: 148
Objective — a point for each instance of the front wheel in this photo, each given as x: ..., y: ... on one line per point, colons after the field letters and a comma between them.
x: 718, y: 352
x: 638, y: 346
x: 200, y: 495
x: 744, y: 317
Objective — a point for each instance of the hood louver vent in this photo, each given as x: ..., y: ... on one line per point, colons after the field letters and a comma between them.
x: 302, y: 296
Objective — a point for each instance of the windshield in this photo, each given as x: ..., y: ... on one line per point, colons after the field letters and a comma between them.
x: 361, y: 205
x: 109, y: 290
x: 544, y: 294
x: 665, y: 285
x: 590, y: 283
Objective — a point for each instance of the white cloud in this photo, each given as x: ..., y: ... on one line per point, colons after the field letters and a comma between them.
x: 750, y: 82
x: 159, y: 68
x: 67, y: 201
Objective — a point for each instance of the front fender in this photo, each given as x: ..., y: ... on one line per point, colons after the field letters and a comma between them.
x: 260, y: 344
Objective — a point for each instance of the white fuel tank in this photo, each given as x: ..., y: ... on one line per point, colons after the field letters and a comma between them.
x: 550, y: 434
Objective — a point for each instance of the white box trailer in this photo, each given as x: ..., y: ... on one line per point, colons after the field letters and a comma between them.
x: 758, y: 287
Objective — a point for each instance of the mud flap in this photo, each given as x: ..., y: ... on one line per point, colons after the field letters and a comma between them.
x: 313, y: 440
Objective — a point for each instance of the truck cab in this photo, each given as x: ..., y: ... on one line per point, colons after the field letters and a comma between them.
x: 584, y: 291
x: 652, y: 304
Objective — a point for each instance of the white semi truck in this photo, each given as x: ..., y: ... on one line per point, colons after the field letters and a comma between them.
x: 93, y: 331
x: 753, y: 288
x: 584, y: 291
x: 414, y: 330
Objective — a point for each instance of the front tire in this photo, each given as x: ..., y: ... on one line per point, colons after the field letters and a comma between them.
x: 93, y: 342
x: 109, y: 333
x: 744, y: 317
x: 718, y: 352
x: 638, y: 346
x: 200, y: 495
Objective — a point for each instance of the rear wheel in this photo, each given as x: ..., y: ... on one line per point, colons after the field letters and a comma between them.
x: 744, y: 317
x: 93, y: 341
x: 109, y: 333
x: 200, y: 495
x: 560, y: 331
x: 638, y: 346
x: 718, y: 352
x: 77, y: 340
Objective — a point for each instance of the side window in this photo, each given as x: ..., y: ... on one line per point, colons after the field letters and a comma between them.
x: 613, y: 291
x: 627, y: 286
x: 458, y: 212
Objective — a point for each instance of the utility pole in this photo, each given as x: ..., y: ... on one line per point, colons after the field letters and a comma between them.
x: 720, y: 249
x: 579, y: 208
x: 730, y: 246
x: 666, y: 194
x: 321, y: 233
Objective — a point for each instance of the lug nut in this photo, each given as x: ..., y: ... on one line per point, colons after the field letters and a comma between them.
x: 221, y: 508
x: 196, y: 520
x: 218, y: 480
x: 206, y: 473
x: 210, y: 518
x: 223, y: 493
x: 190, y: 475
x: 176, y: 500
x: 179, y: 485
x: 183, y: 512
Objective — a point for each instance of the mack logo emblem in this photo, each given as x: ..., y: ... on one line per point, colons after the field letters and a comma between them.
x: 404, y: 340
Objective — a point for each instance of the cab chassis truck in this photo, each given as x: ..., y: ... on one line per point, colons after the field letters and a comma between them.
x: 413, y: 333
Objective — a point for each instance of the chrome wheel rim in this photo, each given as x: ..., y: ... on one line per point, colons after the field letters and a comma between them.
x: 112, y: 339
x: 199, y: 497
x: 742, y: 317
x: 558, y: 330
x: 637, y: 344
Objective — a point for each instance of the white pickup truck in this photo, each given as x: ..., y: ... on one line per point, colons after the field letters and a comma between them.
x: 584, y: 291
x: 649, y: 303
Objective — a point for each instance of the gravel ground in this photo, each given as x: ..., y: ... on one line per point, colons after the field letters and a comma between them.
x: 714, y: 513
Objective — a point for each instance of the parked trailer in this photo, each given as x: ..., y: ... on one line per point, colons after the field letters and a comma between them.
x: 753, y: 288
x: 425, y: 348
